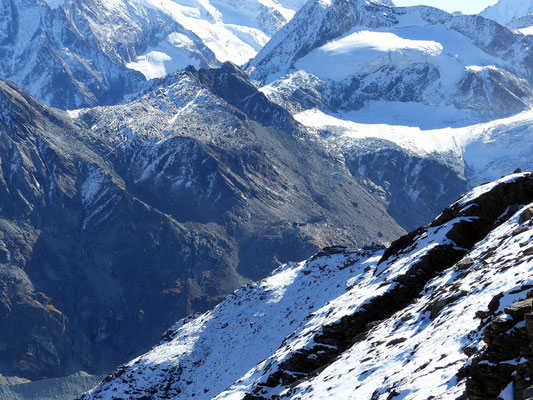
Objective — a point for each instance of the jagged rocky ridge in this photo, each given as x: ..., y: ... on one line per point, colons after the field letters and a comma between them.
x: 378, y: 52
x: 441, y: 312
x: 113, y: 216
x: 523, y: 23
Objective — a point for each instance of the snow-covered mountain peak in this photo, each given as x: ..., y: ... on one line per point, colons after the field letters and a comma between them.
x: 505, y: 11
x: 102, y: 50
x: 395, y: 54
x: 234, y: 30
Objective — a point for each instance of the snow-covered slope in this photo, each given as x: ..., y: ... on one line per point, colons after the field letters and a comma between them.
x: 205, y: 355
x: 410, y: 54
x: 482, y: 152
x: 82, y: 53
x: 234, y: 30
x: 517, y: 14
x: 75, y: 54
x: 366, y: 324
x: 505, y: 11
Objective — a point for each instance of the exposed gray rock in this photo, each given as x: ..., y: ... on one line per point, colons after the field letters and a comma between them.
x: 525, y: 21
x: 119, y: 222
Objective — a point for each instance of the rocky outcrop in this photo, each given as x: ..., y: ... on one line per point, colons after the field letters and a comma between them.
x: 232, y: 85
x: 507, y: 357
x: 493, y: 88
x: 506, y: 362
x: 415, y: 187
x: 470, y: 222
x: 525, y: 21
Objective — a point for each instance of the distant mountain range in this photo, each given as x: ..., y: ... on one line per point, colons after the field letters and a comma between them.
x: 77, y: 53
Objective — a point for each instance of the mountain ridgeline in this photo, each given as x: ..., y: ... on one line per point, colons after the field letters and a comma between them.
x: 116, y: 225
x: 158, y: 157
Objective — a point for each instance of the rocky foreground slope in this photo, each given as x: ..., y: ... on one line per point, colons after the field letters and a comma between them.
x: 445, y: 312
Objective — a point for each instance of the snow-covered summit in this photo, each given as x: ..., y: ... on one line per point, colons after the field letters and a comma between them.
x: 505, y: 11
x: 359, y: 51
x: 93, y: 52
x: 233, y: 30
x: 365, y: 324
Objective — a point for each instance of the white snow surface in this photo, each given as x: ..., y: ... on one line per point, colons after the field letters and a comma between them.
x: 488, y: 150
x: 403, y: 54
x: 176, y: 52
x: 234, y: 30
x: 363, y: 52
x: 428, y: 352
x: 527, y: 31
x: 215, y: 349
x: 505, y: 11
x: 411, y: 35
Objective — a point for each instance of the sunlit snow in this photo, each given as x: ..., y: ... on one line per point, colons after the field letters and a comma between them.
x: 233, y: 30
x: 489, y: 149
x: 364, y: 52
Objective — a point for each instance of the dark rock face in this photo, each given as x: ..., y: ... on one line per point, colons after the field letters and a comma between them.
x: 232, y: 85
x: 507, y: 357
x: 69, y: 278
x: 493, y: 88
x: 390, y: 83
x: 105, y: 243
x: 415, y: 187
x: 524, y: 21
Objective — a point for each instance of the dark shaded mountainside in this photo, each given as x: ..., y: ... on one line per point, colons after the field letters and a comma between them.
x: 445, y: 312
x: 117, y: 221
